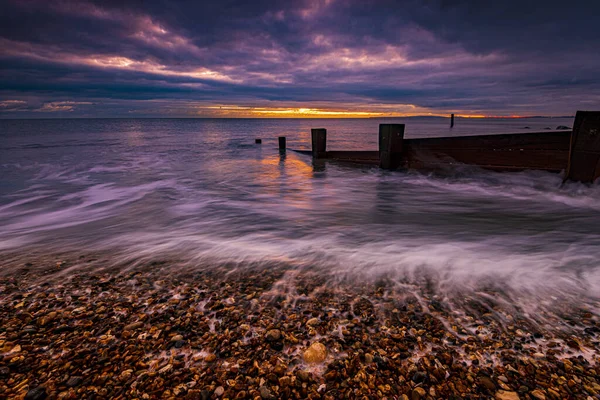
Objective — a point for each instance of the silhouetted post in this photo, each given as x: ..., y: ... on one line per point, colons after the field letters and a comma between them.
x: 584, y: 154
x: 258, y: 141
x: 282, y: 143
x: 452, y: 121
x: 390, y: 144
x: 319, y: 142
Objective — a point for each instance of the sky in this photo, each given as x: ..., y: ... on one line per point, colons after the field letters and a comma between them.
x: 300, y: 58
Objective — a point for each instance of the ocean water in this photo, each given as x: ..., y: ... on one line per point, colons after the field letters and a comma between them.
x: 202, y: 193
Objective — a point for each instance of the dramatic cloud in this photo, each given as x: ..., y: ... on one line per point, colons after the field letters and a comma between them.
x: 301, y: 58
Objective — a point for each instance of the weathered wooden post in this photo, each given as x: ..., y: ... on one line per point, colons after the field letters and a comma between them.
x: 281, y: 143
x: 258, y: 141
x: 319, y: 142
x: 452, y: 121
x: 584, y: 153
x: 390, y: 145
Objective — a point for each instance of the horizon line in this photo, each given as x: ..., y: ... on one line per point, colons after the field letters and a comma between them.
x: 300, y: 118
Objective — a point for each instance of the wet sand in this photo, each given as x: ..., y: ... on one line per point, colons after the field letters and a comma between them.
x: 163, y: 331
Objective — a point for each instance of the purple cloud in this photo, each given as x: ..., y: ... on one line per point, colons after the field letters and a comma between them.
x: 105, y: 58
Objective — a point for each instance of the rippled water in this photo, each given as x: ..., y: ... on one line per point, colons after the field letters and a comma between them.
x: 201, y: 192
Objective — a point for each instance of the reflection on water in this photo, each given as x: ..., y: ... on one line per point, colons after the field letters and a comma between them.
x: 202, y: 192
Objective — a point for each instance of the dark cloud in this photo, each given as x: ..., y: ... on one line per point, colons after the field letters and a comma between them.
x: 103, y: 57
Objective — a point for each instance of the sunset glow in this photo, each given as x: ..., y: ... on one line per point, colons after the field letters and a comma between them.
x: 310, y: 59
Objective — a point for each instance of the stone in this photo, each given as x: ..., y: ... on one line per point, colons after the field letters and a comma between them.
x: 63, y: 328
x: 273, y: 335
x: 219, y: 391
x: 134, y: 326
x: 304, y: 376
x: 506, y: 395
x: 176, y: 338
x: 419, y: 377
x: 265, y: 393
x: 210, y: 358
x: 487, y: 383
x: 418, y: 393
x: 554, y: 394
x: 316, y: 353
x: 74, y: 381
x: 38, y: 393
x: 538, y: 394
x: 29, y: 329
x: 312, y: 322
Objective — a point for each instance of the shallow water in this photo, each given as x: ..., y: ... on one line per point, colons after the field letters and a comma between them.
x: 201, y: 192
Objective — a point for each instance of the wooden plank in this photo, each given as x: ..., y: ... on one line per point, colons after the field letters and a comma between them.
x: 319, y: 142
x: 537, y: 140
x: 305, y: 152
x: 391, y: 137
x: 537, y: 150
x: 584, y: 152
x: 362, y: 157
x: 549, y: 160
x: 281, y: 140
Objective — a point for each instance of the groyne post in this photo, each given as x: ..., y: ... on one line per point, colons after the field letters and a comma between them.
x: 391, y: 137
x: 584, y: 153
x: 452, y: 121
x: 258, y: 141
x: 319, y: 142
x: 281, y: 143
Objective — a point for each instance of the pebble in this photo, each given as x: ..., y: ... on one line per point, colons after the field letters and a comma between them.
x: 39, y: 393
x: 74, y: 381
x: 487, y: 383
x: 538, y: 394
x: 418, y: 393
x: 29, y: 329
x: 126, y: 340
x: 419, y: 377
x: 505, y: 395
x: 316, y: 353
x: 265, y: 393
x: 304, y: 376
x: 273, y: 335
x: 133, y: 326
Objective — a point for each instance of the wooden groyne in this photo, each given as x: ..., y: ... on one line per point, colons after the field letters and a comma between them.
x: 577, y: 152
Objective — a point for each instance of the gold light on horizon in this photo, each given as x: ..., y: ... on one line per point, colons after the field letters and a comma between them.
x: 315, y: 112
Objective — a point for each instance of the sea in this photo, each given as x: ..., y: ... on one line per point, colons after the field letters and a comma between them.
x: 200, y: 191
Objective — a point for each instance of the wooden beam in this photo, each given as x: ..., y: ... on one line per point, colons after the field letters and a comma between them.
x: 391, y: 137
x: 353, y: 156
x: 517, y: 151
x: 281, y: 142
x: 584, y: 153
x: 319, y: 142
x: 452, y: 121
